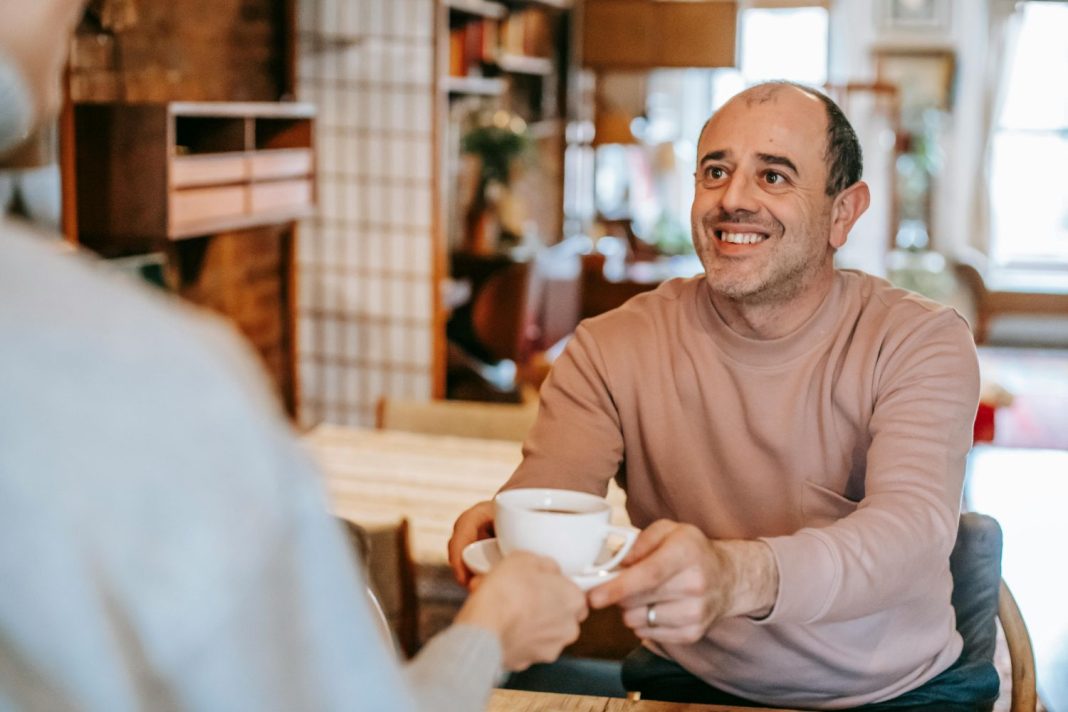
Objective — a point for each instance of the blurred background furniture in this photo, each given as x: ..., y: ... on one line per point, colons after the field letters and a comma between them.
x: 493, y: 421
x: 386, y: 557
x: 995, y: 298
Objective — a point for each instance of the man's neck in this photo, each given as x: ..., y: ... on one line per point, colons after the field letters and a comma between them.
x: 774, y: 318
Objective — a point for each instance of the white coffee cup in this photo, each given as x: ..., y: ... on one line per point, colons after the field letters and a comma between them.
x: 568, y: 526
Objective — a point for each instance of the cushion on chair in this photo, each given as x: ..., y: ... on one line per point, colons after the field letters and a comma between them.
x: 976, y: 567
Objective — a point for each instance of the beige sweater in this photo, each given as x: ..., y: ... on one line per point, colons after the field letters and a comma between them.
x: 842, y: 445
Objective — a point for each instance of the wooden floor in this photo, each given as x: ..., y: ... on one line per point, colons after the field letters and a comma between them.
x: 1026, y: 490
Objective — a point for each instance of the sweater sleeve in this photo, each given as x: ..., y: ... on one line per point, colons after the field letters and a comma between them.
x: 456, y: 670
x: 898, y: 539
x: 576, y: 441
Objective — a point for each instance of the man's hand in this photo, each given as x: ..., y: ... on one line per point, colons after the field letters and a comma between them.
x: 690, y: 581
x: 533, y: 608
x: 471, y: 526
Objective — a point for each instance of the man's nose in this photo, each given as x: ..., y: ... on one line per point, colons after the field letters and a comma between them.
x: 740, y: 195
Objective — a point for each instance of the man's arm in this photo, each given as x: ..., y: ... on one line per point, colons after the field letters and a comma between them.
x: 575, y: 443
x: 899, y: 538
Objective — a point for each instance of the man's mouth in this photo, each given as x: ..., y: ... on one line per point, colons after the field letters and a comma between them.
x: 740, y: 238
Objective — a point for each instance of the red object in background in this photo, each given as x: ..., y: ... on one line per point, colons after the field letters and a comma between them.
x: 983, y: 431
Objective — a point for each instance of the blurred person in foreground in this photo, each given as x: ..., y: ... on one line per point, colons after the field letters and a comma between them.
x: 792, y: 439
x: 164, y: 541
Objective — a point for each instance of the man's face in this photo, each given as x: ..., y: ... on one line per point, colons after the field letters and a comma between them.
x: 761, y: 217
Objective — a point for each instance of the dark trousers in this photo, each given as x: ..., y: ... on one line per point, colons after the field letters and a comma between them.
x: 966, y: 686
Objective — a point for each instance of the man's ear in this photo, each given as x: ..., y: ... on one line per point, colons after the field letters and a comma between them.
x: 848, y: 206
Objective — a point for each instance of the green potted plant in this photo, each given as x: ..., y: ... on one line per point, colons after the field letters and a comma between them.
x: 497, y: 139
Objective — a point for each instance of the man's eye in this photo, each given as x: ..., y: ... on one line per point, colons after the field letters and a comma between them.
x: 774, y: 178
x: 714, y: 172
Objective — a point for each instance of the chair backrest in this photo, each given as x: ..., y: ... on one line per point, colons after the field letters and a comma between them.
x: 495, y: 421
x: 385, y: 552
x: 980, y: 597
x: 1024, y: 692
x: 501, y: 313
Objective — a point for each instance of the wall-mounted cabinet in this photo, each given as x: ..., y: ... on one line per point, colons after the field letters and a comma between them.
x: 150, y: 173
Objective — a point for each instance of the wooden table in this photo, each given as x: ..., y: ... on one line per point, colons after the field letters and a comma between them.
x: 521, y: 701
x: 378, y: 476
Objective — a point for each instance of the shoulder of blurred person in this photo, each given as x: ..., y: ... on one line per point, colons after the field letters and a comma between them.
x: 164, y: 534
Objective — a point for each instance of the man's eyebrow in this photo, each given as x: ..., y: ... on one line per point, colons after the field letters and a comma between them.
x: 717, y: 155
x: 772, y: 159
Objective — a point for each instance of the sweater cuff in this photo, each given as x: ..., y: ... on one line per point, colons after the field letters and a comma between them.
x: 809, y: 572
x: 457, y: 669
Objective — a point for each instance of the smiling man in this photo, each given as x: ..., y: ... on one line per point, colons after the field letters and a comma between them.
x: 791, y: 437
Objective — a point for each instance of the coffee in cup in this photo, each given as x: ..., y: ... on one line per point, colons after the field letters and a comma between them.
x: 570, y: 527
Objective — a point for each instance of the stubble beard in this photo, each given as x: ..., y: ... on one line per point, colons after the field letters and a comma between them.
x: 772, y: 283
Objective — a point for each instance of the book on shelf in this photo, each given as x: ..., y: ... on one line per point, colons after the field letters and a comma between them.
x: 471, y: 45
x: 526, y: 32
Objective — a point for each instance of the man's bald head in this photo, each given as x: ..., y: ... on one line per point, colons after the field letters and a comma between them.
x: 842, y: 152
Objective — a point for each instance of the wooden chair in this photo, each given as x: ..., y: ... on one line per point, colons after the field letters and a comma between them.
x: 495, y: 421
x: 1021, y: 654
x: 385, y: 552
x: 600, y: 295
x: 991, y: 303
x: 981, y: 599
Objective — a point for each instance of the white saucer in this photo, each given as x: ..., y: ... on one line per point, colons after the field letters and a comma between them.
x: 482, y: 556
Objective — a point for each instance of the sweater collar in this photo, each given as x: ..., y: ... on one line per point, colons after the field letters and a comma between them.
x: 773, y: 352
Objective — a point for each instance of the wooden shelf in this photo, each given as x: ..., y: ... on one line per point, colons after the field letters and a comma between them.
x: 240, y: 109
x: 519, y: 64
x: 557, y: 4
x: 153, y: 173
x: 481, y: 86
x: 546, y: 128
x: 482, y: 8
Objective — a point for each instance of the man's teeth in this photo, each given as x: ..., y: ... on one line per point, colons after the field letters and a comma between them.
x: 742, y: 238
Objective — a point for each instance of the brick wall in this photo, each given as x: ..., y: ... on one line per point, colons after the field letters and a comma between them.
x: 244, y: 276
x: 211, y: 50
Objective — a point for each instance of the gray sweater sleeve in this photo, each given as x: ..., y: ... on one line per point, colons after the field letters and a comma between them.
x: 456, y: 670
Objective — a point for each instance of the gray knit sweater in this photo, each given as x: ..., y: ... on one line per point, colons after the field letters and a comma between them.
x: 164, y: 541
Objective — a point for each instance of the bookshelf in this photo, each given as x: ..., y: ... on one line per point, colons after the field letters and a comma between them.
x: 510, y: 55
x: 494, y: 56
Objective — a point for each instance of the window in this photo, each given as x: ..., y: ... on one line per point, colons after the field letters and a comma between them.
x: 784, y: 43
x: 1029, y: 193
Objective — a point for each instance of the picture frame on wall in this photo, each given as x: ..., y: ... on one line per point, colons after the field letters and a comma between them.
x: 925, y: 78
x: 914, y: 15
